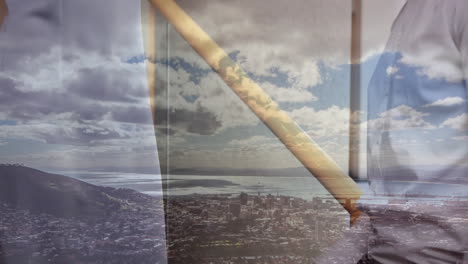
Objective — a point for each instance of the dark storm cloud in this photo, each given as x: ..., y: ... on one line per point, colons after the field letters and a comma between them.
x: 31, y: 29
x: 190, y: 116
x: 200, y: 122
x: 8, y: 92
x: 33, y: 105
x: 28, y: 106
x: 66, y: 57
x: 17, y: 104
x: 64, y: 81
x: 66, y: 61
x: 78, y: 31
x: 80, y: 127
x: 139, y: 115
x: 102, y: 26
x: 52, y: 36
x: 47, y: 12
x: 105, y: 85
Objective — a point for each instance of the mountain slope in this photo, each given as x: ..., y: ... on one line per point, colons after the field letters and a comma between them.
x: 60, y: 196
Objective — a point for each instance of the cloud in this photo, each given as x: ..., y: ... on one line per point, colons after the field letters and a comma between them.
x: 91, y: 92
x: 458, y: 123
x: 329, y: 128
x: 132, y: 114
x: 200, y: 121
x: 402, y: 117
x: 333, y: 121
x: 69, y: 83
x: 290, y: 35
x: 115, y: 84
x: 288, y: 94
x: 65, y: 130
x: 274, y: 35
x: 431, y: 66
x: 292, y: 31
x: 461, y: 138
x: 67, y: 86
x: 205, y: 106
x: 108, y: 28
x: 392, y: 70
x: 66, y: 83
x: 429, y: 46
x: 446, y: 102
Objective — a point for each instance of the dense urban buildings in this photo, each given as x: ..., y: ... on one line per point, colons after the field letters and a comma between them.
x: 118, y: 225
x: 251, y: 228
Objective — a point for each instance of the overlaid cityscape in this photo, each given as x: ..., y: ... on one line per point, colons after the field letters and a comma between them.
x: 120, y: 225
x: 233, y: 132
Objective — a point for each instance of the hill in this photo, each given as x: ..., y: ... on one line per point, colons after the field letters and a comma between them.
x: 50, y: 218
x: 40, y: 192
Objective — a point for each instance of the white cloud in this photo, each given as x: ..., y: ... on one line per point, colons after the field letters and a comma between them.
x: 458, y: 123
x: 279, y: 33
x: 392, y: 70
x: 265, y: 25
x: 288, y: 94
x: 446, y: 102
x: 291, y: 37
x: 431, y: 66
x: 333, y: 121
x: 274, y: 35
x: 65, y: 83
x: 211, y: 94
x: 329, y: 128
x: 400, y: 118
x: 461, y: 138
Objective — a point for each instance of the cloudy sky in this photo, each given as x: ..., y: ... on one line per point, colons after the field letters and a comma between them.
x: 298, y: 52
x: 74, y: 92
x: 69, y: 96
